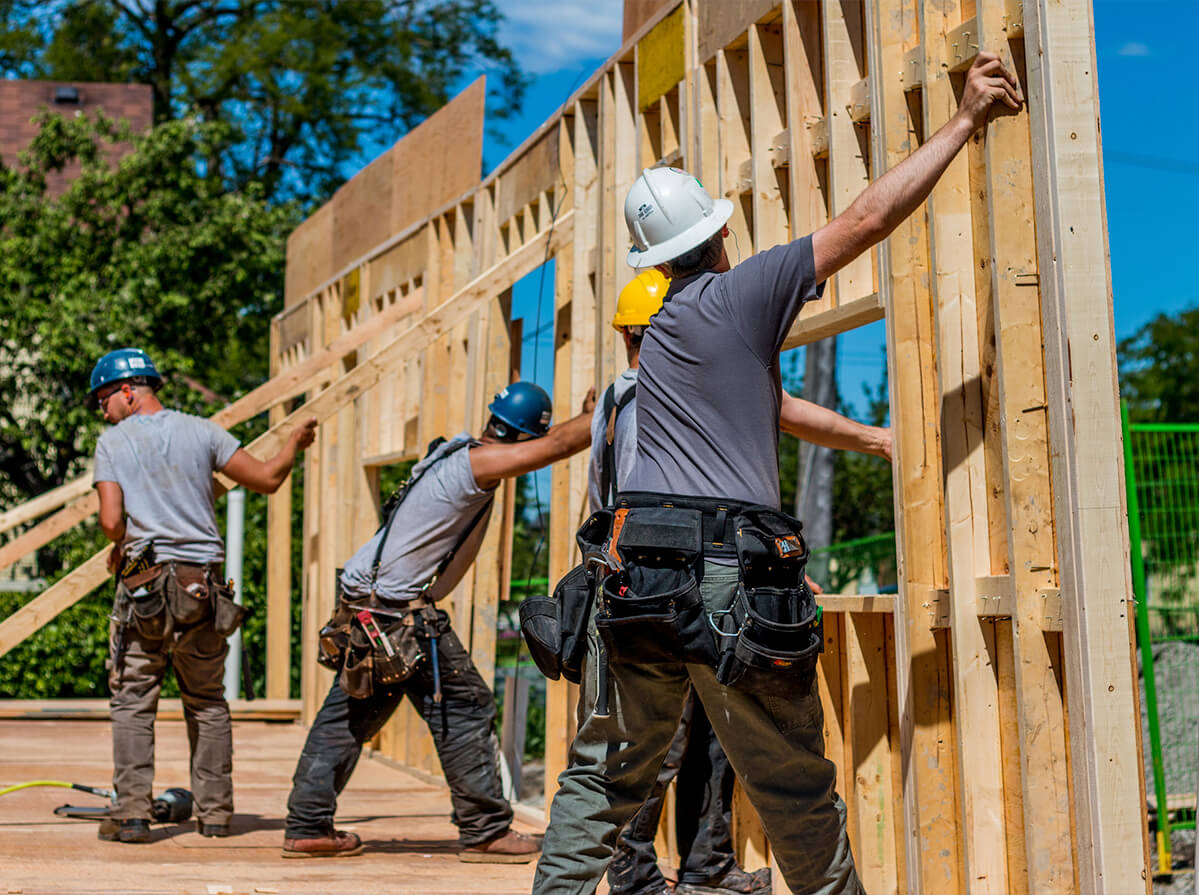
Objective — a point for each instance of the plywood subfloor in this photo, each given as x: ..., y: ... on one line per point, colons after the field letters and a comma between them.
x: 404, y: 821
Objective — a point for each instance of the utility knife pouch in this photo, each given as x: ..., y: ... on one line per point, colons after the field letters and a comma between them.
x: 188, y: 597
x: 148, y: 607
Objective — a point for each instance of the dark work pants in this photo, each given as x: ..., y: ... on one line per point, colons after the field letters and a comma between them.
x: 703, y: 812
x: 462, y: 727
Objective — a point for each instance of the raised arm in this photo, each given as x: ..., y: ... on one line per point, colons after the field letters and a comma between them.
x: 492, y: 463
x: 265, y: 476
x: 827, y: 428
x: 884, y: 204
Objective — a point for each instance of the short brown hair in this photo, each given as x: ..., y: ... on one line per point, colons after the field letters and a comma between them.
x: 702, y: 258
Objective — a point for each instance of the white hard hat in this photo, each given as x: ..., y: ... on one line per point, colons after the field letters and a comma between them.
x: 669, y: 213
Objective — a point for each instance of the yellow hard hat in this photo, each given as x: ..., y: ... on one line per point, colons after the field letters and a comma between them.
x: 640, y: 299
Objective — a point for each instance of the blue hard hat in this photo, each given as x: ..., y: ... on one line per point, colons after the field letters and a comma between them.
x: 124, y: 363
x: 523, y: 406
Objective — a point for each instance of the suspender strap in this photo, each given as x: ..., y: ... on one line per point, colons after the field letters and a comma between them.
x: 608, y: 483
x: 405, y: 490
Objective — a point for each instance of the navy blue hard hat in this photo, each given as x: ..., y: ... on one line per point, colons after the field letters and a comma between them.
x: 523, y: 406
x: 124, y: 363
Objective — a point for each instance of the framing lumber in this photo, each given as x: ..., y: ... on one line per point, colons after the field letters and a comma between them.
x: 44, y: 503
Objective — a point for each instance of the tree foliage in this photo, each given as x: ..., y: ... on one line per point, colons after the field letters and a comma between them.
x: 152, y: 251
x: 304, y: 86
x: 1159, y: 369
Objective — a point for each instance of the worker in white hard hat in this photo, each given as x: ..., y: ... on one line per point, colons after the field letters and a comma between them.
x: 703, y: 777
x: 698, y: 577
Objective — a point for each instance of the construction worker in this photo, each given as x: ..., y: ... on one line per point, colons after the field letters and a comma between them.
x: 704, y: 791
x: 429, y: 539
x: 696, y: 541
x: 153, y: 474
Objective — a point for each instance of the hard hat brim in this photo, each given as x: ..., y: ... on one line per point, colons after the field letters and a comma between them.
x: 692, y: 237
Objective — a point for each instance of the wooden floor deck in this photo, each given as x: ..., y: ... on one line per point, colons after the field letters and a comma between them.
x: 403, y: 819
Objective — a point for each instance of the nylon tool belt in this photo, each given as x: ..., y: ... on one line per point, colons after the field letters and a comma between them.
x: 643, y: 563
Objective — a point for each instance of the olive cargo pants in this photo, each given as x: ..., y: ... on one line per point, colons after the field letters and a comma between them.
x: 774, y: 742
x: 197, y: 653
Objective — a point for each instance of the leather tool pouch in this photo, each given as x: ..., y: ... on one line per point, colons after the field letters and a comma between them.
x: 227, y: 615
x: 651, y: 611
x: 146, y: 592
x: 190, y: 599
x: 773, y: 633
x: 407, y: 648
x: 555, y: 627
x: 334, y: 638
x: 357, y: 676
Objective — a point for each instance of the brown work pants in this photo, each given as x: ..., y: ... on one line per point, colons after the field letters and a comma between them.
x: 197, y: 654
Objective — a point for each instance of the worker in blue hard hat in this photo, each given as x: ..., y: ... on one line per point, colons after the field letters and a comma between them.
x: 154, y: 476
x: 388, y: 639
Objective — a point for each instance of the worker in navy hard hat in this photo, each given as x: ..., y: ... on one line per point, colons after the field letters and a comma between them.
x: 429, y: 539
x: 153, y: 475
x: 127, y: 366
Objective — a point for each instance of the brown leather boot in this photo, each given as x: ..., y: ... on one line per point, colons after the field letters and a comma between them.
x: 510, y: 847
x: 339, y: 844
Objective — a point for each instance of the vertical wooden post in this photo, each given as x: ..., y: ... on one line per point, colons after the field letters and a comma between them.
x: 278, y: 564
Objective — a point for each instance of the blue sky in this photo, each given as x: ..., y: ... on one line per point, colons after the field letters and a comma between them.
x: 1148, y: 115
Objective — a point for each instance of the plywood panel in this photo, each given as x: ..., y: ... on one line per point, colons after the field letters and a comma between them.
x: 718, y: 24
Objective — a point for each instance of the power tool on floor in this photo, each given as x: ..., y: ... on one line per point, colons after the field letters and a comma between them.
x: 172, y: 807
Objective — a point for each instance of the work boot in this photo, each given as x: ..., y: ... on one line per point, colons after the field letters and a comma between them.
x: 510, y: 847
x: 338, y: 844
x: 131, y: 829
x: 734, y: 882
x: 213, y: 831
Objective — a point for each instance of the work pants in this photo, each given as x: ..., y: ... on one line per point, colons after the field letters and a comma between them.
x: 462, y: 727
x: 775, y: 743
x: 197, y: 654
x: 703, y: 812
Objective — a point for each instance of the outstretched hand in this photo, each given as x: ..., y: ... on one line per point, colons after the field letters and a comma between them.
x: 304, y: 433
x: 988, y: 82
x: 589, y: 400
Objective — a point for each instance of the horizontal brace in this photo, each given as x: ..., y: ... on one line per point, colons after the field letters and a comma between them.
x: 780, y: 150
x: 995, y: 599
x: 859, y: 102
x: 818, y: 136
x: 390, y: 458
x: 961, y: 45
x: 912, y: 75
x: 832, y: 321
x: 883, y: 603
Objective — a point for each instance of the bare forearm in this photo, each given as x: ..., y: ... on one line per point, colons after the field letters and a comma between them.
x: 887, y: 202
x: 827, y: 428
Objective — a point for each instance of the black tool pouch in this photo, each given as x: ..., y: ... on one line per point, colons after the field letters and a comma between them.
x: 650, y: 611
x: 772, y: 634
x: 555, y: 627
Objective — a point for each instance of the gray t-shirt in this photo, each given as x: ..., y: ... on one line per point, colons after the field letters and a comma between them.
x: 164, y: 463
x: 624, y: 440
x: 709, y: 392
x: 430, y: 522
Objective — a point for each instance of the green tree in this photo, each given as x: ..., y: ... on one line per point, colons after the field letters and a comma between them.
x: 1159, y: 369
x: 305, y: 86
x: 153, y: 251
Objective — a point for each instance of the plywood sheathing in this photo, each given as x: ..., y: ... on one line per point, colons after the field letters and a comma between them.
x: 388, y: 196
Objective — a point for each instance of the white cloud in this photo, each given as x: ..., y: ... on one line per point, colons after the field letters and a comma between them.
x: 549, y: 35
x: 1133, y: 48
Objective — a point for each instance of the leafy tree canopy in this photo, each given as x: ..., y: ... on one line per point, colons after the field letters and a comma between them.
x: 1159, y: 369
x: 305, y: 87
x: 151, y: 251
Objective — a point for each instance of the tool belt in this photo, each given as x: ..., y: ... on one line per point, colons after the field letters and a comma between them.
x: 645, y: 575
x: 156, y: 610
x: 370, y: 641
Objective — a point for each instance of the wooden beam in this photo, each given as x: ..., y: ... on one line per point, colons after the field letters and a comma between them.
x: 84, y: 579
x: 814, y: 323
x: 1110, y: 833
x: 44, y: 503
x: 48, y: 529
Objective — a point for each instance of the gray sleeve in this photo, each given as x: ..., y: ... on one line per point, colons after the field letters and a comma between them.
x: 765, y: 293
x: 223, y: 445
x: 104, y: 470
x: 594, y: 465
